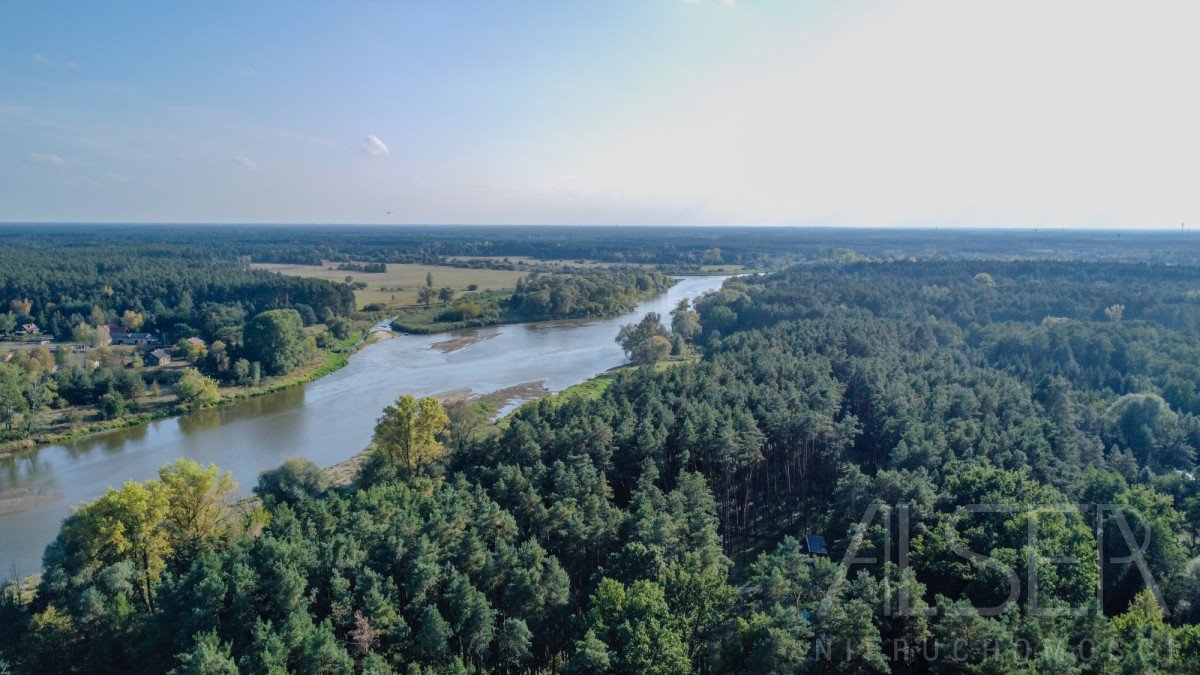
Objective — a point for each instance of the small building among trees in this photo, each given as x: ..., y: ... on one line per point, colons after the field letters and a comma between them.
x: 158, y: 357
x: 122, y: 337
x: 813, y: 544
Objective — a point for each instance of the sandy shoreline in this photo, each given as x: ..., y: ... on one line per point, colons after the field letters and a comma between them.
x: 22, y: 499
x: 378, y: 336
x: 455, y: 344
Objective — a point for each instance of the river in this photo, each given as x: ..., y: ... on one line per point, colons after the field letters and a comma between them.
x: 327, y: 421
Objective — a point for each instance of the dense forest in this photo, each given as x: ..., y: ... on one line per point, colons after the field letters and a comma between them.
x: 59, y: 288
x: 586, y: 293
x: 661, y: 525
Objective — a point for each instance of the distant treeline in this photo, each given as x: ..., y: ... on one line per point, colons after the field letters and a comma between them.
x: 970, y: 292
x: 372, y: 268
x: 682, y: 248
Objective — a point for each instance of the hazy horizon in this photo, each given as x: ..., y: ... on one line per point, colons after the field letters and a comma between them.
x: 582, y: 226
x: 928, y: 114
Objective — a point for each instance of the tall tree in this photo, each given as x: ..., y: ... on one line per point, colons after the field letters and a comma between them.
x: 199, y: 506
x: 426, y: 295
x: 196, y: 390
x: 410, y: 431
x: 277, y: 340
x: 12, y: 397
x: 123, y: 525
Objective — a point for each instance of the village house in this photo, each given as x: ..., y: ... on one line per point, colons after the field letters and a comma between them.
x: 197, y: 342
x: 28, y: 329
x: 121, y: 335
x: 136, y: 339
x: 158, y: 357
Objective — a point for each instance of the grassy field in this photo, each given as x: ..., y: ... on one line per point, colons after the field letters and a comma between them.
x: 725, y: 269
x: 397, y: 287
x: 588, y: 390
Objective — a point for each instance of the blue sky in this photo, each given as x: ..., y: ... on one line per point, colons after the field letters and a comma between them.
x: 1016, y: 113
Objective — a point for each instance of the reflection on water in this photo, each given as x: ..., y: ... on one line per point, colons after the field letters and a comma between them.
x: 263, y: 405
x: 326, y: 421
x: 199, y: 421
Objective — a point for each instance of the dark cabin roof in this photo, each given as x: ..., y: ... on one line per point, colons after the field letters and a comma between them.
x: 814, y: 544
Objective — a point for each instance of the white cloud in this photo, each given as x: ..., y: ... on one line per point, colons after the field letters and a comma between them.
x: 42, y: 60
x: 244, y: 71
x: 373, y: 146
x: 45, y: 159
x: 246, y: 162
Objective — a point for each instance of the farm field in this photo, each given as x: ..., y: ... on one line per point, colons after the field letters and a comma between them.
x: 397, y: 287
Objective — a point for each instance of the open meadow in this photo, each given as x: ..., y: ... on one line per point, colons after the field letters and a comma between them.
x: 397, y: 287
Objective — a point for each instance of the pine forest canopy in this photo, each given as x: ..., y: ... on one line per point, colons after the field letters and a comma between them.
x: 656, y: 527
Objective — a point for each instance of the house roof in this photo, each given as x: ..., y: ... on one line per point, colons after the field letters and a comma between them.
x: 815, y: 544
x: 160, y: 354
x: 196, y: 341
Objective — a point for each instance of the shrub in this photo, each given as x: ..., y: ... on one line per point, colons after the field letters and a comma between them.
x: 294, y: 481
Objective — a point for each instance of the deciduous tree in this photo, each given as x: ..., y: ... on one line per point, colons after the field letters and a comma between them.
x: 196, y: 390
x: 277, y: 340
x: 410, y: 431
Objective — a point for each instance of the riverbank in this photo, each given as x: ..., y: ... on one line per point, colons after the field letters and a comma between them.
x: 344, y: 472
x: 326, y: 421
x: 324, y: 362
x: 428, y: 320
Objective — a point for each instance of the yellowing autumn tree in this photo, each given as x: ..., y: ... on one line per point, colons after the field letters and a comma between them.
x: 21, y: 307
x: 198, y: 509
x: 132, y: 320
x: 196, y: 390
x: 148, y: 524
x: 124, y: 525
x: 409, y: 433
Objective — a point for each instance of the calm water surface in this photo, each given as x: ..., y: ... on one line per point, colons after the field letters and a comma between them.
x: 326, y: 421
